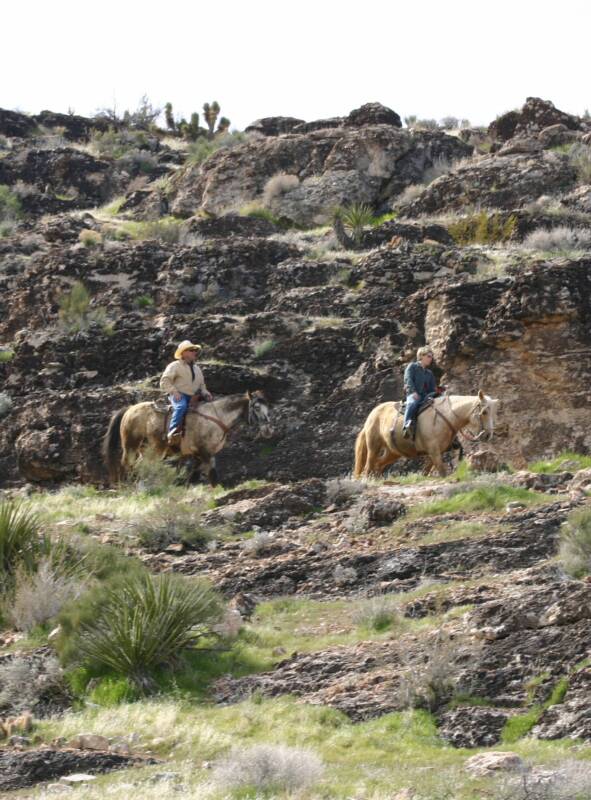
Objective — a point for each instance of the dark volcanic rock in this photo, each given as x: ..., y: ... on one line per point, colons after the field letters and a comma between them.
x: 373, y: 114
x: 534, y: 116
x: 273, y: 126
x: 472, y: 726
x: 572, y: 717
x: 230, y: 225
x: 13, y: 123
x: 75, y: 127
x: 19, y: 770
x: 500, y: 182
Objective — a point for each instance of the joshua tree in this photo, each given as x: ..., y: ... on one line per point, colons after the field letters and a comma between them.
x: 223, y: 125
x: 210, y: 114
x: 170, y: 123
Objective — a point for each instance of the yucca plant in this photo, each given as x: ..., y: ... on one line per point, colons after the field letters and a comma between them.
x: 354, y: 219
x: 21, y: 546
x: 148, y: 622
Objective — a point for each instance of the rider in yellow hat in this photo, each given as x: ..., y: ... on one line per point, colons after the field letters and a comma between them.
x: 181, y: 380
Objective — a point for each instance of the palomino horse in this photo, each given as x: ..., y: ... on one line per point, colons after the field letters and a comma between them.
x: 206, y: 430
x: 376, y: 447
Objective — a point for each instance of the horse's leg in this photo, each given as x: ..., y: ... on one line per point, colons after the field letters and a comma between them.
x: 384, y: 462
x: 438, y: 462
x: 213, y: 473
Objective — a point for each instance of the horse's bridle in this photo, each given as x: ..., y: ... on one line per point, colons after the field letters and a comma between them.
x: 469, y: 436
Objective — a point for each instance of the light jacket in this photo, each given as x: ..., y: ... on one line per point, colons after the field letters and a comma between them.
x: 419, y: 379
x: 177, y: 378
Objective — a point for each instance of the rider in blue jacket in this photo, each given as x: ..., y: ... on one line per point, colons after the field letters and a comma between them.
x: 419, y: 382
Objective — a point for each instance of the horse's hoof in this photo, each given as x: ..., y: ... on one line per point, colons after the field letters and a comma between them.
x: 213, y: 478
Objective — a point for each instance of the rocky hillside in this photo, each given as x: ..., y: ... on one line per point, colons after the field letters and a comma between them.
x: 475, y: 241
x: 296, y: 633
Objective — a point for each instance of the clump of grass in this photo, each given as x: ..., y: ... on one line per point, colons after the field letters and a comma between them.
x: 575, y: 543
x: 90, y: 238
x: 485, y: 498
x: 580, y: 157
x: 431, y: 682
x: 144, y: 301
x: 278, y: 185
x: 10, y: 206
x: 565, y: 461
x: 520, y: 725
x: 260, y: 212
x: 152, y: 474
x: 258, y: 544
x: 261, y: 346
x: 6, y: 356
x: 378, y: 613
x: 483, y: 228
x: 268, y: 768
x: 561, y: 239
x: 76, y: 313
x: 146, y: 623
x: 21, y: 543
x: 173, y: 523
x: 201, y: 149
x: 167, y: 230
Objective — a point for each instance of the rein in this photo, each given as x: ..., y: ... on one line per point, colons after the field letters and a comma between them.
x: 217, y: 421
x: 468, y: 435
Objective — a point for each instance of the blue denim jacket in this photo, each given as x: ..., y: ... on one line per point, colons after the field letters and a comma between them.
x: 418, y: 379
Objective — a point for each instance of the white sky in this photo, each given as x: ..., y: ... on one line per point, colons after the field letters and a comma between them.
x: 308, y: 59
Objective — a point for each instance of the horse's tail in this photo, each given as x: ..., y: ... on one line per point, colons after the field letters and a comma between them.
x: 360, y: 453
x: 112, y: 444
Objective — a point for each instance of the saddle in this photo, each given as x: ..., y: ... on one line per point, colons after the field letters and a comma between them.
x: 427, y: 403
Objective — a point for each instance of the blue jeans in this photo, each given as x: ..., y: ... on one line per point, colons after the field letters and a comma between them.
x: 179, y: 409
x: 412, y: 408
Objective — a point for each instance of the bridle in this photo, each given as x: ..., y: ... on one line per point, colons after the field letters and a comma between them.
x: 468, y: 435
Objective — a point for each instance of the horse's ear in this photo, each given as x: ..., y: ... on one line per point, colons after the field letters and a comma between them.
x: 481, y: 395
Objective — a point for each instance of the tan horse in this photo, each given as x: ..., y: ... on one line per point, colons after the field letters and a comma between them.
x: 376, y: 448
x: 206, y: 429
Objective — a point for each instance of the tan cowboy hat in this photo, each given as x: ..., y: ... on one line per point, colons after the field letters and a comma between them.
x: 186, y: 345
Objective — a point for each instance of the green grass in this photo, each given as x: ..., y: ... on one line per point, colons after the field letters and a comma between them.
x: 485, y: 498
x: 372, y: 759
x: 520, y: 725
x: 6, y: 356
x: 567, y: 461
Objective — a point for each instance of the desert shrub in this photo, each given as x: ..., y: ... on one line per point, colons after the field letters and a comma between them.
x: 341, y: 490
x: 410, y: 193
x: 173, y: 523
x: 117, y: 143
x: 5, y: 404
x: 201, y: 149
x: 430, y: 683
x: 575, y: 543
x: 76, y: 313
x: 10, y: 207
x: 268, y: 768
x: 25, y: 682
x: 147, y: 622
x: 377, y: 613
x: 39, y: 596
x: 261, y: 346
x: 21, y: 543
x: 154, y: 475
x: 90, y: 238
x: 483, y: 228
x: 277, y: 185
x: 137, y: 162
x: 580, y: 157
x: 561, y: 239
x: 440, y: 166
x: 570, y: 780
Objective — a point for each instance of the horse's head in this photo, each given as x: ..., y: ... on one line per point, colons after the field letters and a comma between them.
x: 258, y: 411
x: 487, y: 412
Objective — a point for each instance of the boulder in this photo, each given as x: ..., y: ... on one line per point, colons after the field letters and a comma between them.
x: 472, y: 726
x: 273, y: 126
x: 13, y: 123
x: 373, y: 114
x: 484, y: 460
x: 487, y: 764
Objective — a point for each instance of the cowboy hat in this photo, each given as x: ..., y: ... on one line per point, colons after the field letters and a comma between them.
x: 186, y: 345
